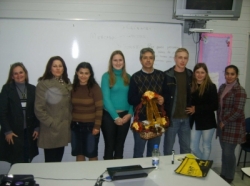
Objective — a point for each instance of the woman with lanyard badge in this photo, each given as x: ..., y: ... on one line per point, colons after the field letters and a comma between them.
x: 19, y: 125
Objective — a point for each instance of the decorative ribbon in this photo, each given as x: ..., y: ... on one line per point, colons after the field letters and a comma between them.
x: 153, y: 116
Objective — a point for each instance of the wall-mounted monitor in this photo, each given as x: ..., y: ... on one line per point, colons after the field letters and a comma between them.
x: 207, y: 9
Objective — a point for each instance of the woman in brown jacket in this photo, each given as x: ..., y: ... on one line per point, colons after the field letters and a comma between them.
x: 53, y: 109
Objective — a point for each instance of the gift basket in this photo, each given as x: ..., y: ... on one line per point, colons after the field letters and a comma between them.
x: 157, y: 121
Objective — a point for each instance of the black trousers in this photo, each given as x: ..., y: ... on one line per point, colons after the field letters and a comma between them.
x: 114, y: 136
x: 26, y: 147
x: 54, y: 155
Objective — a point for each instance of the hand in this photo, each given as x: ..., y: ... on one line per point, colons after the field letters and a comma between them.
x: 9, y: 138
x: 119, y: 121
x: 160, y: 100
x: 126, y: 118
x: 35, y: 135
x: 190, y: 110
x: 95, y: 131
x: 221, y: 125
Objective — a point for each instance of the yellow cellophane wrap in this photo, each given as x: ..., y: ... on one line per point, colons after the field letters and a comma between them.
x: 194, y: 167
x: 156, y: 121
x: 150, y: 99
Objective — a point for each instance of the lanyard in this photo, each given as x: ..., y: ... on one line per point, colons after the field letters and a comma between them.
x: 24, y: 96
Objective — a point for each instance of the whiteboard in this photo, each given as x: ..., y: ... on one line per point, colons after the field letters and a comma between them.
x: 33, y: 42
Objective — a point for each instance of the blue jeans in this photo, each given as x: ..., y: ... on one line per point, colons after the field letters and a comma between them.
x: 207, y: 136
x: 228, y: 160
x: 140, y: 145
x: 182, y: 128
x: 83, y: 142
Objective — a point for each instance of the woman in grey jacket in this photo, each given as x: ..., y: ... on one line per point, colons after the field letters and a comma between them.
x: 53, y: 109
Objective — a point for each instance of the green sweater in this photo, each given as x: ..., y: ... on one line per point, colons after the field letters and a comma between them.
x: 115, y: 98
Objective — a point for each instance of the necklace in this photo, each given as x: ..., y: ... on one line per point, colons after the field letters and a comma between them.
x: 24, y: 96
x: 60, y: 80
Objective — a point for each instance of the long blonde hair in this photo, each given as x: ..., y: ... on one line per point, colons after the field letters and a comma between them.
x: 124, y: 75
x: 207, y: 81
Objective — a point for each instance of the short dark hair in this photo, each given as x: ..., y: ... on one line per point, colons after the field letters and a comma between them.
x: 235, y: 69
x: 144, y: 50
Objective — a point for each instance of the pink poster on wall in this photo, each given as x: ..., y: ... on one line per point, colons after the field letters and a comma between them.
x: 216, y: 51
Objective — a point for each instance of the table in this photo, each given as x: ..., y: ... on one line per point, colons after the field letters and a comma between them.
x: 165, y: 175
x: 246, y: 171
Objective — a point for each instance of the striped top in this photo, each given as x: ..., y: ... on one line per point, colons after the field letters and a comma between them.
x: 87, y: 105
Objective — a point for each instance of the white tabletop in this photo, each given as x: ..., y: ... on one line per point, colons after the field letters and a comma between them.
x: 246, y: 170
x: 165, y: 175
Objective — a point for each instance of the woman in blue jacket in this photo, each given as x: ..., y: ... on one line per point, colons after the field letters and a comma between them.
x: 204, y: 102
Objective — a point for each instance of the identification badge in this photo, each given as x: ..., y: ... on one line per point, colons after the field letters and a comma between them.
x: 23, y: 104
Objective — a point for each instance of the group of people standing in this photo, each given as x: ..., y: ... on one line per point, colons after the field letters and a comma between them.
x: 57, y: 112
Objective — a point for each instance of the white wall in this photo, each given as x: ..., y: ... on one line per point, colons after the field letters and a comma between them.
x: 240, y: 30
x: 129, y: 10
x: 247, y: 84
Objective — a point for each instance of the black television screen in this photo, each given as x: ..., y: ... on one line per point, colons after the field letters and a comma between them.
x: 209, y: 4
x: 207, y: 9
